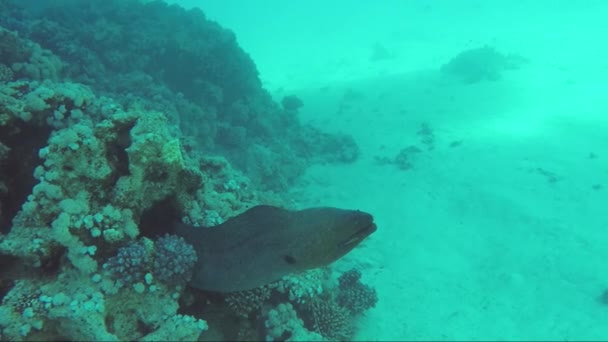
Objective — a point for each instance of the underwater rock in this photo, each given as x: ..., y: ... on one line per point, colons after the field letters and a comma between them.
x: 481, y: 64
x: 291, y: 103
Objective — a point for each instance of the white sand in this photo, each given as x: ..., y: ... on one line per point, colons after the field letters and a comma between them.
x: 474, y: 241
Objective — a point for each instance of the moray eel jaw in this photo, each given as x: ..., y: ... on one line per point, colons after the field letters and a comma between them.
x: 358, y: 236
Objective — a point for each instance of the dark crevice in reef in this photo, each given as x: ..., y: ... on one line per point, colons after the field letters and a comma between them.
x: 17, y: 169
x: 116, y: 153
x: 13, y: 268
x: 160, y: 219
x: 112, y: 321
x: 51, y: 265
x: 6, y: 281
x: 144, y: 328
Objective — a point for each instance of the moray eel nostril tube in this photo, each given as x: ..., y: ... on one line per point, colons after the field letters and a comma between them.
x: 265, y: 243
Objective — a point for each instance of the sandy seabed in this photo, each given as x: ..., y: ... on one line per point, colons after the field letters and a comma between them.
x: 497, y: 232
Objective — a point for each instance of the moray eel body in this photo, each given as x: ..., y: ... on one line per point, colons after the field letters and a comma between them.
x: 266, y: 243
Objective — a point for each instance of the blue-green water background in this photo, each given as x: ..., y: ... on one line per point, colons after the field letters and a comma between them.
x: 503, y: 237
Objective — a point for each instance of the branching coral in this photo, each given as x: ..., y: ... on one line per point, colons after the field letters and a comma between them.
x: 354, y: 295
x: 243, y: 303
x: 331, y: 320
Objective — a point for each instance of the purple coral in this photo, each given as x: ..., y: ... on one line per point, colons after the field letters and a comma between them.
x: 130, y: 264
x: 174, y: 259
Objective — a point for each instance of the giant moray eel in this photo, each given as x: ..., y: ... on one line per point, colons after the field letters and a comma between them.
x: 266, y: 243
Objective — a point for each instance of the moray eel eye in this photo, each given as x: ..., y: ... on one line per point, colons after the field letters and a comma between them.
x: 289, y: 259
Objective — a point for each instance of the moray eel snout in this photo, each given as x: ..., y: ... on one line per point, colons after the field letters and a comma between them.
x: 359, y: 235
x: 361, y: 225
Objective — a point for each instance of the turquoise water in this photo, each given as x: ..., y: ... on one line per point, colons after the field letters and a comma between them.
x: 473, y: 132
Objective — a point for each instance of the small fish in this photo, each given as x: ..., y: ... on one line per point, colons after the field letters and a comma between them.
x: 265, y: 243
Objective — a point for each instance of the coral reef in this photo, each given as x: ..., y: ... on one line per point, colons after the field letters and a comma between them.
x: 78, y: 174
x: 164, y: 58
x: 72, y: 307
x: 22, y: 58
x: 300, y: 307
x: 99, y: 170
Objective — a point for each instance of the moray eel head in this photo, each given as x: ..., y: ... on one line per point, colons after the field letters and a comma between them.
x: 266, y: 243
x: 331, y: 233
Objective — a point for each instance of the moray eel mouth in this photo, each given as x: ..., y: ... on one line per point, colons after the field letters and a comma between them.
x: 359, y: 235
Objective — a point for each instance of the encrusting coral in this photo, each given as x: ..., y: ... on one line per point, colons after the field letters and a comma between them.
x: 94, y: 180
x: 95, y: 168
